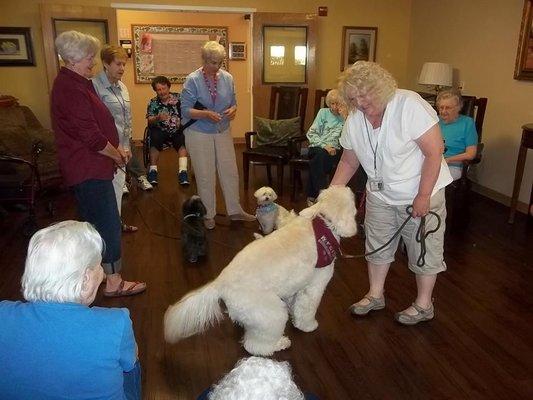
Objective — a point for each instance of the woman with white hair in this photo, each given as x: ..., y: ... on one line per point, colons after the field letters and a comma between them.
x: 54, y: 345
x: 458, y: 131
x: 395, y: 136
x: 324, y: 148
x: 257, y: 378
x: 89, y: 151
x: 209, y: 140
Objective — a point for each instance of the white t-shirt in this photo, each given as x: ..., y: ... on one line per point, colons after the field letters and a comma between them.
x: 398, y: 157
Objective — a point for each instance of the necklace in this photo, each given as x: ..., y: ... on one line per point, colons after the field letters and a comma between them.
x: 212, y: 90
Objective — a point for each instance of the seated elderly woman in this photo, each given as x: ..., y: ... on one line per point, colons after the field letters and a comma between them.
x: 54, y: 345
x: 164, y: 120
x: 257, y: 378
x: 458, y: 131
x: 324, y: 148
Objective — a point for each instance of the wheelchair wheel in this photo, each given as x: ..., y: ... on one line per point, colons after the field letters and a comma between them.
x: 146, y: 147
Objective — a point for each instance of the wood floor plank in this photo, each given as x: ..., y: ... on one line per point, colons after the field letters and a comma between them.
x: 479, y: 346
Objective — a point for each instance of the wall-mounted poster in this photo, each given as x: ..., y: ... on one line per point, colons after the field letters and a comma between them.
x: 172, y: 51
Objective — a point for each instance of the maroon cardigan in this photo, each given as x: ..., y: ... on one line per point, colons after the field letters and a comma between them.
x: 82, y: 125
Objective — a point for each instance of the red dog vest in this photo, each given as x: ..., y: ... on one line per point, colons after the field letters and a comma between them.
x: 327, y: 245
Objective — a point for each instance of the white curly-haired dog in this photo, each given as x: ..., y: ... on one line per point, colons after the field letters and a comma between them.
x: 257, y: 378
x: 283, y: 273
x: 271, y: 216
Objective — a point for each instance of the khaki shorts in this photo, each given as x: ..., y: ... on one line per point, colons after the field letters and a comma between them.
x: 383, y: 220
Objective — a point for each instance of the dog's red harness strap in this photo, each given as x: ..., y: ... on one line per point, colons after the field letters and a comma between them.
x: 327, y: 245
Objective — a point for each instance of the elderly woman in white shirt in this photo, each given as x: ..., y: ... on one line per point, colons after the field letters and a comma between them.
x: 395, y: 136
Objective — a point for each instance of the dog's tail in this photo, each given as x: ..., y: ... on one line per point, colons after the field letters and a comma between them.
x: 194, y: 313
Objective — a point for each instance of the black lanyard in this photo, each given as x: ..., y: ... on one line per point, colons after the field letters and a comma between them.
x: 374, y: 150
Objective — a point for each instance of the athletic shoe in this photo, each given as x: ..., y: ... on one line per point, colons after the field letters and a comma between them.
x: 143, y: 183
x: 183, y: 178
x: 152, y: 177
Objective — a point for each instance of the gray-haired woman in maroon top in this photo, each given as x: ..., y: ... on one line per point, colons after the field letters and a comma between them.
x: 89, y: 151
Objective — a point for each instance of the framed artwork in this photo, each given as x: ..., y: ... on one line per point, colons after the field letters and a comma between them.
x: 524, y: 55
x: 358, y: 43
x: 15, y: 47
x: 172, y: 51
x: 237, y: 51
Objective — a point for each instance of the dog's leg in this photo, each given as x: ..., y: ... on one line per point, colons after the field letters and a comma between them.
x: 305, y: 303
x: 263, y: 316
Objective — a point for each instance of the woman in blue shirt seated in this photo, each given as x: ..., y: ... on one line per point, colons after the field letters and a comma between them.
x: 458, y: 131
x: 324, y: 148
x: 54, y: 346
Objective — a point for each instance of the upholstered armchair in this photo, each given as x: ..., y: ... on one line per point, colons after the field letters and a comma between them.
x: 28, y: 161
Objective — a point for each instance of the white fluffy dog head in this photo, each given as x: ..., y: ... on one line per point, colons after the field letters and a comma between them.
x: 337, y: 205
x: 265, y: 195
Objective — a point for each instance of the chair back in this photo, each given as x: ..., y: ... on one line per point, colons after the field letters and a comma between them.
x: 320, y: 99
x: 288, y: 102
x: 475, y: 107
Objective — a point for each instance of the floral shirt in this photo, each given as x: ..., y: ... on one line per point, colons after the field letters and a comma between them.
x: 172, y: 107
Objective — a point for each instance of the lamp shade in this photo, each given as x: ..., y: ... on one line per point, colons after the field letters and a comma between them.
x: 437, y: 74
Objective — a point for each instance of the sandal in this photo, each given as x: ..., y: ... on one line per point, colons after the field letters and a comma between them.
x: 423, y: 314
x: 374, y: 304
x: 129, y: 228
x: 135, y: 288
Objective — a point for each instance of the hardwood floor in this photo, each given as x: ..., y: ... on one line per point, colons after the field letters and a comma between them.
x: 479, y: 346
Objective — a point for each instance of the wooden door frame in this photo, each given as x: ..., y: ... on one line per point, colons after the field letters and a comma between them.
x: 260, y: 90
x: 50, y: 12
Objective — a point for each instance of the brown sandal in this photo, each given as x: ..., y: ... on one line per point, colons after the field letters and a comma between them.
x: 135, y: 288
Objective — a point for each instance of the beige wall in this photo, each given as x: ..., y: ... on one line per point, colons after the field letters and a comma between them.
x: 479, y: 38
x: 238, y: 30
x: 391, y: 17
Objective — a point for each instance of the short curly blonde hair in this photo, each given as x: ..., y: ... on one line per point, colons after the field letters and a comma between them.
x: 367, y: 77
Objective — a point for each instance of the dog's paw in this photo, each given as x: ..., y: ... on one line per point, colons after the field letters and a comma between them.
x: 283, y: 343
x: 257, y: 235
x: 306, y: 327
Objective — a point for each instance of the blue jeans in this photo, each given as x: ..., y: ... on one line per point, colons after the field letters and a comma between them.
x: 132, y: 383
x: 98, y: 206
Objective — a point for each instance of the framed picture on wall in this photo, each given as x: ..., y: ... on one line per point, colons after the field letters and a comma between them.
x: 237, y: 51
x: 524, y: 55
x: 171, y: 50
x: 15, y: 47
x: 358, y: 43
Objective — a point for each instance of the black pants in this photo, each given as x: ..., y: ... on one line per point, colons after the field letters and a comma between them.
x: 97, y: 205
x: 158, y: 138
x: 320, y: 165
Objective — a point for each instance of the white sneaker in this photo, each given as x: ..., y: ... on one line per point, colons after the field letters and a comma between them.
x: 125, y: 189
x: 143, y: 183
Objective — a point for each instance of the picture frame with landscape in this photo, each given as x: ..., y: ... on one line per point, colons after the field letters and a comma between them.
x: 358, y: 43
x: 15, y: 47
x: 524, y: 54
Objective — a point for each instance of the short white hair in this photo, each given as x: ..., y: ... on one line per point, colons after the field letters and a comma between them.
x: 58, y: 257
x: 257, y: 378
x: 213, y: 49
x: 74, y: 46
x: 333, y: 96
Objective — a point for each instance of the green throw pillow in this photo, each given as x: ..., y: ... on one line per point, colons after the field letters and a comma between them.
x: 276, y: 132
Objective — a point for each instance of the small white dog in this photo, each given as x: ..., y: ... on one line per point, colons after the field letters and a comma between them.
x: 271, y: 216
x: 284, y: 273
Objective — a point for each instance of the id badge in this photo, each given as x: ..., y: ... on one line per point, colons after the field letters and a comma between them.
x: 376, y: 184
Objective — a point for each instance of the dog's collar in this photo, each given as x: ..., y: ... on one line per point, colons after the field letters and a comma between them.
x: 191, y: 215
x: 327, y: 245
x: 266, y: 208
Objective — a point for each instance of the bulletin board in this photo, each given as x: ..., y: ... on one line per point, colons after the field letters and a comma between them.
x: 172, y: 51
